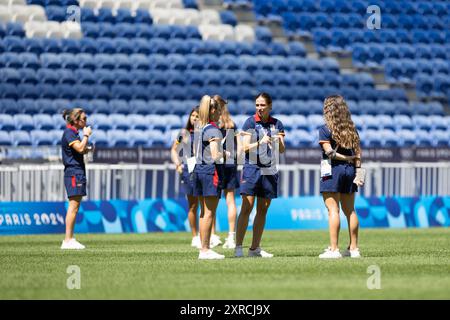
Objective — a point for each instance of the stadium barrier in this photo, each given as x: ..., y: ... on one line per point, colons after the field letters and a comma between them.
x: 158, y: 215
x: 44, y: 182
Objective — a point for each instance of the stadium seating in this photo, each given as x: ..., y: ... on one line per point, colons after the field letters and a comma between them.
x: 137, y: 67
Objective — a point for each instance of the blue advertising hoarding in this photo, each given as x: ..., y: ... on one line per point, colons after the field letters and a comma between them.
x: 119, y: 216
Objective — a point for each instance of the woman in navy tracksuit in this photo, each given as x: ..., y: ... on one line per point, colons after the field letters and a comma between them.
x: 185, y: 142
x: 341, y: 172
x: 232, y: 144
x: 73, y: 150
x: 263, y: 140
x: 207, y: 176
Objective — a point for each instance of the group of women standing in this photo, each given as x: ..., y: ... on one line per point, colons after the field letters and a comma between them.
x: 211, y: 146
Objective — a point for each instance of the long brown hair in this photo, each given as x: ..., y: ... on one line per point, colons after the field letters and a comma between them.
x: 189, y: 126
x: 338, y: 119
x: 225, y: 117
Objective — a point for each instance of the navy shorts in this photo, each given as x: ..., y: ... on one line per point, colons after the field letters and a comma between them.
x: 255, y: 184
x: 75, y: 185
x: 230, y: 178
x: 206, y: 185
x: 341, y: 179
x: 187, y: 183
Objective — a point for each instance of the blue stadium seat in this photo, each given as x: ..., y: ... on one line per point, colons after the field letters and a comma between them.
x: 41, y: 138
x: 20, y: 138
x: 138, y: 122
x: 100, y: 121
x: 440, y: 138
x: 100, y: 139
x: 119, y: 106
x: 137, y: 138
x: 43, y: 122
x: 27, y: 106
x: 10, y: 75
x: 119, y: 121
x: 14, y: 29
x: 7, y: 122
x: 59, y: 122
x: 5, y: 139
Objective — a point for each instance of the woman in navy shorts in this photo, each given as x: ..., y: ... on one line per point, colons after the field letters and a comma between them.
x: 184, y: 142
x: 340, y: 173
x: 73, y: 150
x: 232, y: 144
x: 207, y: 177
x: 262, y: 136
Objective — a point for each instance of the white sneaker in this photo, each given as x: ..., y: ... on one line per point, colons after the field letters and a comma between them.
x: 258, y: 252
x: 72, y: 244
x: 330, y: 254
x: 214, y: 241
x: 210, y: 255
x: 229, y: 243
x: 196, y: 243
x: 352, y: 253
x: 238, y: 253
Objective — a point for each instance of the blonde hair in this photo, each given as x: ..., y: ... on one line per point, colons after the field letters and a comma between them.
x: 206, y: 104
x: 225, y: 115
x: 338, y: 119
x: 72, y: 115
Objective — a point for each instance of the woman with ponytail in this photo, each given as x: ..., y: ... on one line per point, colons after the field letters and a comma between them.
x: 73, y: 150
x: 208, y: 171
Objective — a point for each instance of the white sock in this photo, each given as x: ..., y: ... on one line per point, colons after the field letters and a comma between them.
x: 231, y: 235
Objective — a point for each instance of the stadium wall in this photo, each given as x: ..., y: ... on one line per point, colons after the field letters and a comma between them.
x: 156, y: 215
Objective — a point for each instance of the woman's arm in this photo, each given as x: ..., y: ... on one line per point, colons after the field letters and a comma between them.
x: 282, y: 147
x: 247, y: 145
x: 329, y: 151
x: 80, y: 146
x: 214, y: 146
x: 175, y: 155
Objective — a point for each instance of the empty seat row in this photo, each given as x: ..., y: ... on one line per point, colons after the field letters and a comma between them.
x: 138, y: 30
x: 148, y: 92
x: 176, y: 77
x: 342, y: 39
x: 154, y: 45
x: 163, y: 63
x: 376, y: 53
x: 268, y: 8
x: 22, y: 13
x: 102, y: 121
x: 111, y: 138
x: 155, y: 137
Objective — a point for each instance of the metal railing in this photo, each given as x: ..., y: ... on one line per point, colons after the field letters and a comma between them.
x: 44, y: 182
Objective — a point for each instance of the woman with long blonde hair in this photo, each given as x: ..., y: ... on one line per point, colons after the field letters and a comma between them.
x: 208, y: 171
x: 341, y: 173
x: 232, y: 144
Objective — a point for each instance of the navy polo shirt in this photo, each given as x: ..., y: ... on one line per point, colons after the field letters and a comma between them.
x: 72, y: 160
x: 325, y: 136
x: 204, y: 162
x: 255, y: 127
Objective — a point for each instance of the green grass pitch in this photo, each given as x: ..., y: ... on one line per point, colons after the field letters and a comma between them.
x: 414, y: 264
